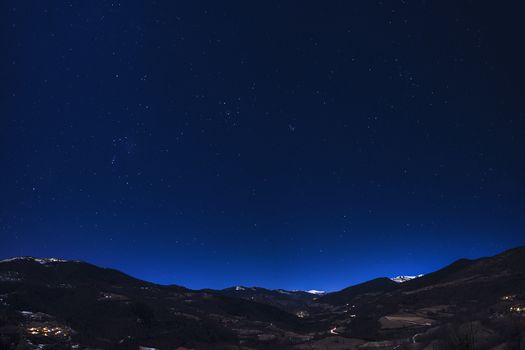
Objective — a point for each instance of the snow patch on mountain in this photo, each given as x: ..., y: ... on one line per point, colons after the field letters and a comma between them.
x: 42, y: 261
x: 401, y: 279
x: 316, y: 292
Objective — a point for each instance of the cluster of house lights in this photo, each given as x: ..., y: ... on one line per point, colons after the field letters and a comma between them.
x: 517, y: 308
x: 47, y: 331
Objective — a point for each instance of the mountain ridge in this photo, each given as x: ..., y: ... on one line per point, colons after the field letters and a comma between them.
x: 456, y: 264
x: 89, y: 306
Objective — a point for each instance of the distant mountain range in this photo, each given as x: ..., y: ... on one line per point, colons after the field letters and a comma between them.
x: 48, y: 303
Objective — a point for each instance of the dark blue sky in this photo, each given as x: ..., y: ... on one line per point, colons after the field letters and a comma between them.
x: 293, y: 144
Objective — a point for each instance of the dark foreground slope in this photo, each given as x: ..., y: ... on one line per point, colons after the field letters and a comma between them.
x: 470, y: 304
x: 103, y: 308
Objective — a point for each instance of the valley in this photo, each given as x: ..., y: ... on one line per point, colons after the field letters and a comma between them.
x: 56, y: 304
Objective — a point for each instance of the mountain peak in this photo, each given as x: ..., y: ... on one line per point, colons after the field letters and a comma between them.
x: 42, y: 261
x: 316, y: 292
x: 401, y: 279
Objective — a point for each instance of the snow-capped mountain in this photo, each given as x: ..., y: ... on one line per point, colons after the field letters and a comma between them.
x: 316, y: 292
x: 401, y: 279
x: 69, y: 291
x: 38, y: 260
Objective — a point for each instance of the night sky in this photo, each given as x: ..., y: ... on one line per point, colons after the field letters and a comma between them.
x: 283, y: 144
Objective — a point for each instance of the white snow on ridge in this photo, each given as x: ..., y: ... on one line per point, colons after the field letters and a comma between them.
x: 239, y: 288
x: 401, y: 279
x: 316, y: 292
x: 38, y: 260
